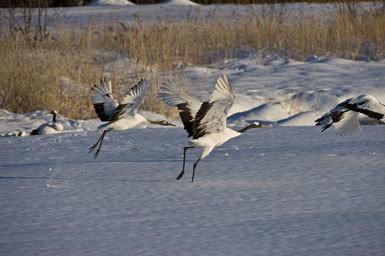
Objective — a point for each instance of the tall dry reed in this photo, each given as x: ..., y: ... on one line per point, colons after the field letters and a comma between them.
x: 56, y: 71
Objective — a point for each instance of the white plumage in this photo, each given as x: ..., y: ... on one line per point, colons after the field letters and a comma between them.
x: 119, y: 116
x: 15, y: 133
x: 103, y: 100
x: 50, y: 127
x: 205, y: 122
x: 345, y: 116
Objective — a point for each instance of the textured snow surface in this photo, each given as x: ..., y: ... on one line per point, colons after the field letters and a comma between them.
x: 110, y: 2
x: 126, y: 2
x: 288, y: 190
x: 278, y: 191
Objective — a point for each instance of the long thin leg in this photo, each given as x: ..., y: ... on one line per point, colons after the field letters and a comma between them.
x: 90, y: 149
x: 184, y: 162
x: 100, y: 142
x: 195, y: 166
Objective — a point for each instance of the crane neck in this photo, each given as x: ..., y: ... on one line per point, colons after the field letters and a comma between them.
x: 153, y: 122
x: 253, y: 125
x: 162, y: 122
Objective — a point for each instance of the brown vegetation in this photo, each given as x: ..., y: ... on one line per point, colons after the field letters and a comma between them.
x: 67, y: 3
x: 43, y: 71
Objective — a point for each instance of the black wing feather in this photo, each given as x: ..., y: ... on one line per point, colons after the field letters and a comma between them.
x: 198, y: 129
x: 369, y: 113
x: 187, y: 119
x: 99, y: 109
x: 119, y: 111
x: 35, y: 132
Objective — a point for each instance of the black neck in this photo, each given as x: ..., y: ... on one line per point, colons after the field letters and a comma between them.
x: 155, y: 122
x: 247, y: 128
x: 54, y: 118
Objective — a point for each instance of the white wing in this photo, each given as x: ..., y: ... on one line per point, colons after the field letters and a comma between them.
x: 174, y: 96
x: 135, y: 97
x: 334, y: 115
x: 188, y: 105
x: 368, y: 105
x: 103, y: 101
x: 212, y: 115
x: 348, y: 123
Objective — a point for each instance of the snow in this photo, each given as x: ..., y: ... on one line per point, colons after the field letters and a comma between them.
x: 113, y: 10
x: 285, y: 190
x: 278, y: 191
x: 110, y: 3
x: 126, y: 2
x: 269, y: 90
x: 180, y: 2
x: 30, y: 121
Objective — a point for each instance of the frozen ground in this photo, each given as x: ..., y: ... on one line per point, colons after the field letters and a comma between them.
x: 288, y: 190
x: 278, y: 191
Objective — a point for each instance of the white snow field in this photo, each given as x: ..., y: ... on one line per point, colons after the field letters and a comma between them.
x: 288, y: 190
x: 278, y: 191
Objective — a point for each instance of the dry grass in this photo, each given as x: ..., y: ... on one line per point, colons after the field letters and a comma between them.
x: 56, y: 71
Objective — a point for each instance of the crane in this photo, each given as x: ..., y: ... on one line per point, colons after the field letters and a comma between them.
x: 345, y: 116
x: 50, y: 127
x: 119, y: 116
x: 204, y: 122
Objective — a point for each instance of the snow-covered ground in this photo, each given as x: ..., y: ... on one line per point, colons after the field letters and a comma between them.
x: 278, y: 191
x: 110, y: 3
x: 269, y: 90
x: 287, y: 190
x: 126, y: 11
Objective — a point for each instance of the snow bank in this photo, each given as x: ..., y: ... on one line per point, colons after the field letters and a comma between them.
x: 179, y: 2
x: 126, y: 2
x: 110, y: 3
x: 270, y: 90
x: 11, y: 122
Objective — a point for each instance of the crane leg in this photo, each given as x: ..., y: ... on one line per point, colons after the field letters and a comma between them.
x: 195, y: 166
x: 184, y: 163
x: 100, y: 142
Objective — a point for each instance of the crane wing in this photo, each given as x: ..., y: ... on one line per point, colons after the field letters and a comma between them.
x: 103, y: 101
x: 121, y: 110
x: 188, y: 105
x: 333, y: 116
x: 212, y: 115
x: 348, y: 123
x: 368, y: 105
x: 345, y: 116
x: 135, y: 97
